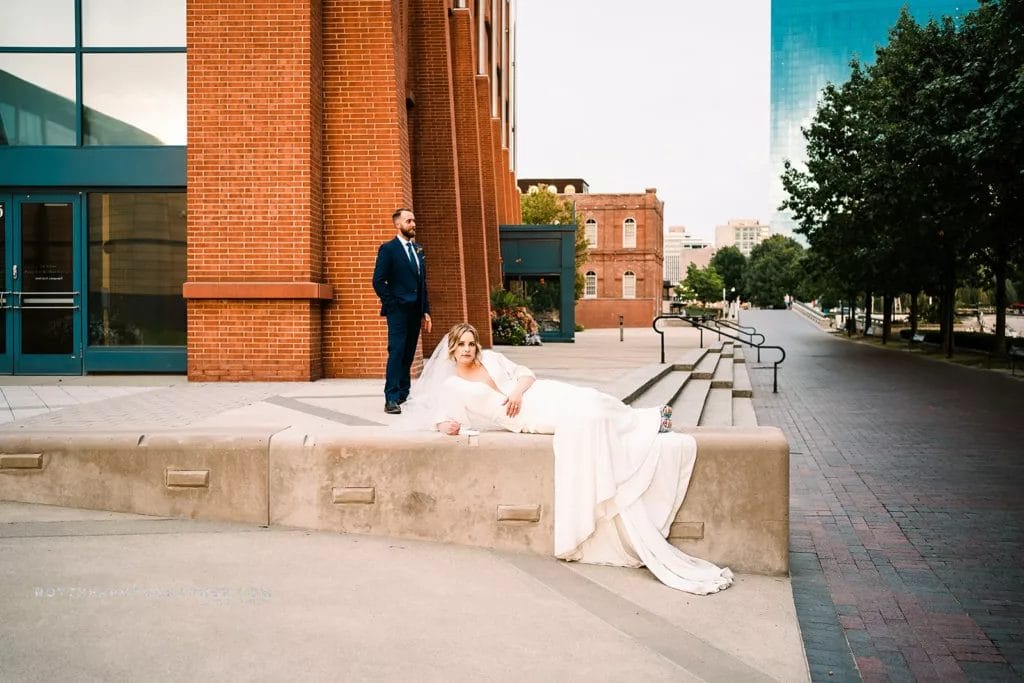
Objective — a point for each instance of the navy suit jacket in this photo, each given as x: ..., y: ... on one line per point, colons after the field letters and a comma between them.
x: 397, y: 280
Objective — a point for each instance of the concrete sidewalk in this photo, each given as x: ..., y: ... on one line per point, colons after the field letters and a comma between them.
x: 99, y: 595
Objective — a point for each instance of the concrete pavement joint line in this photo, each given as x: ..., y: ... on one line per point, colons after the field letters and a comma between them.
x: 332, y: 415
x: 316, y: 396
x: 80, y: 529
x: 680, y: 647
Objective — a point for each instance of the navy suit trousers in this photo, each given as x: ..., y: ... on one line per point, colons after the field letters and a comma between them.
x: 403, y: 335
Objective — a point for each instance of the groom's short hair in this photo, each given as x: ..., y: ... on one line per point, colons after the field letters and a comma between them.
x: 398, y: 213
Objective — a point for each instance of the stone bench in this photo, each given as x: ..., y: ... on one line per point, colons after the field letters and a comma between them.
x: 494, y: 490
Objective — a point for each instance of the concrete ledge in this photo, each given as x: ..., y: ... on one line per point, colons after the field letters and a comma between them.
x: 497, y: 490
x: 494, y: 490
x: 199, y: 475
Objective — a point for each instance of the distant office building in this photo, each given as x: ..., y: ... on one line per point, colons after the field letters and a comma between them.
x: 812, y: 44
x: 682, y: 249
x: 743, y: 233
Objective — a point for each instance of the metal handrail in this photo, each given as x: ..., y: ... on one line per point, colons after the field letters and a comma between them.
x: 702, y: 324
x: 751, y: 332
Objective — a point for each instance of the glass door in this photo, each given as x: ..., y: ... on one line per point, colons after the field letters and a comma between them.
x: 6, y: 298
x: 43, y: 307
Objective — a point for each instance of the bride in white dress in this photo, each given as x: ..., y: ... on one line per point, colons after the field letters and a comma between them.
x: 620, y: 473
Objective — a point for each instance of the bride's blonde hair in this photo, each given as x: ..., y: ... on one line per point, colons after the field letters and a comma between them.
x: 455, y: 334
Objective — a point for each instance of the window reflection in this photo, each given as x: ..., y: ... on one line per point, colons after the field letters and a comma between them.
x: 130, y: 23
x: 136, y: 269
x: 134, y: 99
x: 37, y: 99
x: 37, y: 23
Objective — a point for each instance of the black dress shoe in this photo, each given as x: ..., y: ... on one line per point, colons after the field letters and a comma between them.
x: 392, y: 408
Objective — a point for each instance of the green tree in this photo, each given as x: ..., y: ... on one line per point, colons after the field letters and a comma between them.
x: 774, y: 270
x: 730, y: 263
x: 544, y: 207
x: 705, y: 283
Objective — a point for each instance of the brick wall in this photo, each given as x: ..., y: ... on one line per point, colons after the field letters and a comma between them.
x: 609, y: 260
x: 309, y: 123
x: 253, y: 182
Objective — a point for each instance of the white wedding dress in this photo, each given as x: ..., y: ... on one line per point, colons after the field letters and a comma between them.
x: 618, y: 481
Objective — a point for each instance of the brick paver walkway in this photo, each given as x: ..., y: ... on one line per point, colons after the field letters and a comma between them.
x: 907, y: 533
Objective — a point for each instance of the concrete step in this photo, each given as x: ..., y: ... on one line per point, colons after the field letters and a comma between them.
x: 723, y: 377
x: 727, y: 349
x: 688, y: 359
x: 737, y: 354
x: 689, y: 405
x: 741, y: 386
x: 743, y: 414
x: 633, y: 384
x: 717, y: 409
x: 664, y: 391
x: 705, y: 369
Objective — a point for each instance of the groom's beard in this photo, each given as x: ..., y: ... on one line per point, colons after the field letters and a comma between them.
x: 408, y: 234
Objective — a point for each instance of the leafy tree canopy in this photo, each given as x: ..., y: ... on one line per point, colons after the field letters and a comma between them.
x: 705, y: 283
x: 775, y: 270
x: 544, y: 207
x: 730, y: 263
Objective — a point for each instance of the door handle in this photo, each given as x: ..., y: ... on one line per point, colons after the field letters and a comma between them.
x: 14, y: 271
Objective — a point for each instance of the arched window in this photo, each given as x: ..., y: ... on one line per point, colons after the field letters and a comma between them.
x: 629, y: 285
x: 533, y: 189
x: 590, y: 232
x: 590, y: 290
x: 629, y: 234
x: 570, y: 189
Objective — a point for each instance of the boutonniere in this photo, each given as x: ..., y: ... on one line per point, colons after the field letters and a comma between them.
x: 419, y: 251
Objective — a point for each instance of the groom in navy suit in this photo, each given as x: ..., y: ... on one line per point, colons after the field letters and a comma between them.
x: 400, y: 280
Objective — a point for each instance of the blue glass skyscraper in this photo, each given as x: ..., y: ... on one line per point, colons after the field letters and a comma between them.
x: 812, y: 44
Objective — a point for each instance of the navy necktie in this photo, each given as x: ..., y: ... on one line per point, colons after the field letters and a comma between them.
x: 412, y: 256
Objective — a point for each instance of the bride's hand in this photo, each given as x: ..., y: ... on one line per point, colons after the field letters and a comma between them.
x: 513, y: 403
x: 451, y: 427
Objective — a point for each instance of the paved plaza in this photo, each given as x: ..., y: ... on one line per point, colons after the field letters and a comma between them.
x: 907, y: 533
x: 906, y: 545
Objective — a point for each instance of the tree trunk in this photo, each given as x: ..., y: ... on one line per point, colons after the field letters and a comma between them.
x: 949, y: 316
x: 914, y: 313
x: 851, y: 316
x: 999, y: 269
x: 869, y: 303
x: 886, y: 317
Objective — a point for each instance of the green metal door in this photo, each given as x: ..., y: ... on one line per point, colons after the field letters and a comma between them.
x: 42, y: 294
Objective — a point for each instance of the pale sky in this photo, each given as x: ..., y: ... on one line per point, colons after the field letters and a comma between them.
x: 672, y: 94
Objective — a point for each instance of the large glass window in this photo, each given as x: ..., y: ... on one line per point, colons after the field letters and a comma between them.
x: 37, y: 99
x: 590, y: 231
x: 37, y: 23
x: 590, y: 288
x: 629, y: 234
x: 118, y: 78
x: 629, y: 285
x: 134, y: 99
x: 152, y: 24
x: 136, y: 269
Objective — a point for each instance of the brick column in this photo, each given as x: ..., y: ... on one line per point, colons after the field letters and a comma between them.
x: 499, y: 173
x: 488, y: 168
x: 254, y: 190
x: 435, y: 166
x: 366, y: 172
x: 471, y: 193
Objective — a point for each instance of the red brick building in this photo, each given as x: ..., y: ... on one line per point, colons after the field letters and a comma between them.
x: 624, y: 269
x: 309, y: 122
